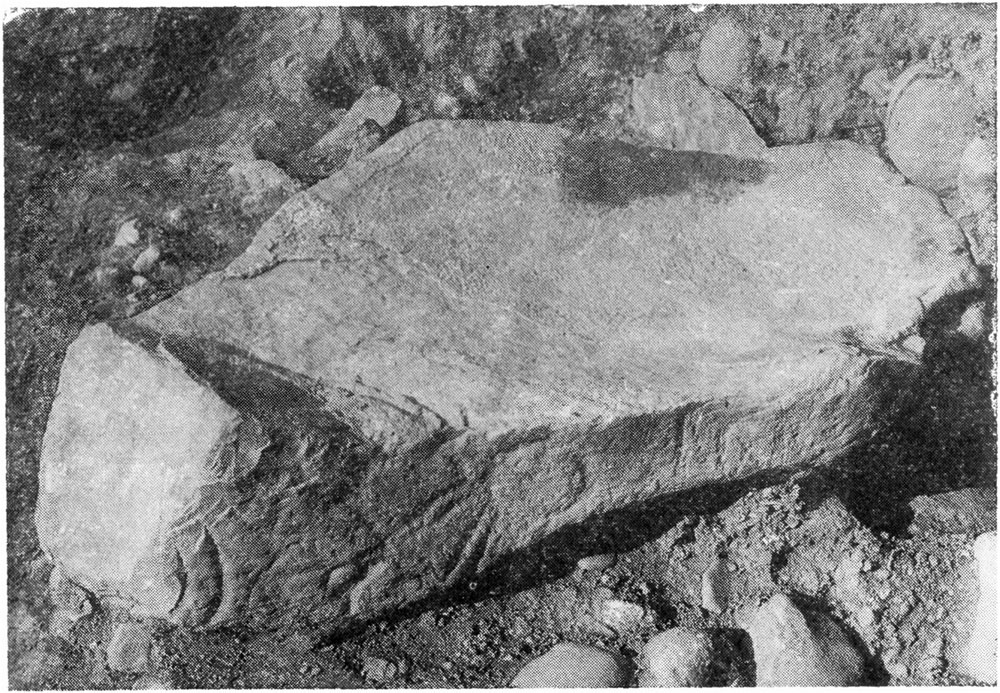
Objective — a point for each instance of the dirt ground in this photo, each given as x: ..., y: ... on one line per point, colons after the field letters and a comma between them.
x: 898, y: 586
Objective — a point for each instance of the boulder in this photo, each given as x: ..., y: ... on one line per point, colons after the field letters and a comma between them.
x: 483, y: 338
x: 792, y: 648
x: 679, y: 112
x: 377, y: 104
x: 930, y: 123
x: 260, y: 186
x: 570, y: 665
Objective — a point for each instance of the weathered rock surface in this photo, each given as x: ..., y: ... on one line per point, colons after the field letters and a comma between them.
x: 679, y: 658
x: 793, y: 649
x: 966, y: 511
x: 979, y: 658
x: 260, y: 185
x: 427, y: 367
x: 130, y: 648
x: 679, y: 112
x: 930, y: 123
x: 570, y: 665
x: 725, y: 54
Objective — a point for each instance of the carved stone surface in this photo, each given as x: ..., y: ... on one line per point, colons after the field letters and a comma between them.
x: 457, y: 356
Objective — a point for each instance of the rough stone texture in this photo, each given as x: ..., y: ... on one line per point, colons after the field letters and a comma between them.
x: 260, y: 185
x: 980, y: 653
x: 725, y: 54
x: 678, y: 658
x: 569, y: 665
x: 679, y: 112
x: 483, y: 337
x: 791, y: 649
x: 930, y: 123
x: 377, y: 103
x: 966, y: 511
x: 360, y: 131
x: 130, y: 648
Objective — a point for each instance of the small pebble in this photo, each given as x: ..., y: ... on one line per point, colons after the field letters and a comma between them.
x: 596, y: 564
x: 106, y: 277
x: 974, y: 322
x: 914, y: 344
x: 897, y: 670
x: 570, y: 665
x: 621, y: 615
x: 447, y: 106
x: 140, y: 282
x: 128, y: 233
x: 147, y: 260
x: 876, y: 85
x: 715, y: 586
x: 154, y: 682
x: 469, y: 85
x: 378, y: 670
x: 678, y: 658
x: 340, y: 575
x: 174, y: 216
x: 771, y: 49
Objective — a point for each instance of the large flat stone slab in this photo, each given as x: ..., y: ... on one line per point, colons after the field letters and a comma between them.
x: 452, y: 360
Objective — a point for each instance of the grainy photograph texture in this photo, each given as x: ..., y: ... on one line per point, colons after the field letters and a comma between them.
x: 500, y: 347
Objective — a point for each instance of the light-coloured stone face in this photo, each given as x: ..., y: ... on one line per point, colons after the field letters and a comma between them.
x: 678, y: 658
x: 677, y: 111
x: 126, y: 451
x: 479, y: 335
x: 571, y: 665
x: 979, y: 658
x: 572, y: 308
x: 793, y: 650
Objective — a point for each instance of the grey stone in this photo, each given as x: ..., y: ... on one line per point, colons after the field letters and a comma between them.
x: 965, y: 511
x: 679, y: 658
x: 725, y: 54
x: 432, y: 362
x: 979, y: 654
x: 679, y: 112
x: 596, y: 564
x: 620, y: 615
x: 875, y: 83
x: 260, y: 186
x: 130, y: 648
x: 146, y: 262
x: 975, y: 321
x: 931, y: 121
x: 377, y: 104
x: 570, y: 665
x: 793, y: 649
x: 977, y: 175
x: 128, y: 233
x: 378, y: 670
x: 715, y: 586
